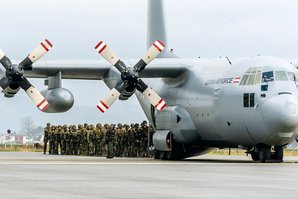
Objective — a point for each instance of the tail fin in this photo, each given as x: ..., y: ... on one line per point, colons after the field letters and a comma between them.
x: 156, y: 29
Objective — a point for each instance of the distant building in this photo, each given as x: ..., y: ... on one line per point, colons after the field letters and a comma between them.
x: 13, y: 139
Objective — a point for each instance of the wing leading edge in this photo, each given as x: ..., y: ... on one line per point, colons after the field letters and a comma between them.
x: 99, y: 69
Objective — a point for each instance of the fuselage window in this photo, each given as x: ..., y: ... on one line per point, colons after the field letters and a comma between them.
x: 267, y: 76
x: 281, y: 76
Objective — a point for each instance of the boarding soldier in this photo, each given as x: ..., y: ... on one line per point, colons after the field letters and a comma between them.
x: 46, y: 137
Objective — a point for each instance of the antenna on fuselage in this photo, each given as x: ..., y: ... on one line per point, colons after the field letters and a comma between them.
x: 229, y: 61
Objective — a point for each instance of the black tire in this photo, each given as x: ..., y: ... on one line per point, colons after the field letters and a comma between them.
x: 172, y: 155
x: 156, y: 155
x: 163, y: 155
x: 255, y: 156
x: 265, y: 153
x: 279, y: 153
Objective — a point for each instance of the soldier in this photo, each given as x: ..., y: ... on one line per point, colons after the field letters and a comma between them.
x: 75, y: 141
x: 137, y: 142
x: 46, y: 137
x: 67, y: 140
x: 131, y: 141
x: 91, y: 140
x: 144, y: 139
x: 63, y: 133
x: 125, y: 142
x: 117, y: 140
x: 52, y: 140
x: 56, y: 140
x: 97, y: 141
x: 80, y: 137
x: 110, y: 134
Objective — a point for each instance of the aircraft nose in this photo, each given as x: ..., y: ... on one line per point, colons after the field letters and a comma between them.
x: 280, y: 113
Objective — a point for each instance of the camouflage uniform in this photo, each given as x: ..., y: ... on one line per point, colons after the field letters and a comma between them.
x: 63, y: 134
x: 46, y: 137
x: 52, y: 140
x: 75, y: 141
x: 110, y: 135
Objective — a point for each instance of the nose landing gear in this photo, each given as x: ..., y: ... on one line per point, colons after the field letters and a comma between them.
x: 267, y: 154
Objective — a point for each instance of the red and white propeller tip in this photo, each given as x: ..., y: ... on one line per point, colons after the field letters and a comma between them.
x: 108, y: 100
x: 37, y: 98
x: 40, y: 50
x: 154, y: 99
x: 107, y: 53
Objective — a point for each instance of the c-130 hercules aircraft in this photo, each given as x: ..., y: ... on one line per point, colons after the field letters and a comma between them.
x: 194, y: 104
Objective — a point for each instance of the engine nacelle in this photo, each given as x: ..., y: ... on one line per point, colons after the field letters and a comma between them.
x: 60, y: 100
x: 162, y: 140
x: 11, y: 90
x: 128, y: 92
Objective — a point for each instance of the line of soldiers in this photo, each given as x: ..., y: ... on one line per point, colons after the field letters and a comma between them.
x: 107, y: 140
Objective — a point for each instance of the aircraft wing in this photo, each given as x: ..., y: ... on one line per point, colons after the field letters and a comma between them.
x: 98, y: 69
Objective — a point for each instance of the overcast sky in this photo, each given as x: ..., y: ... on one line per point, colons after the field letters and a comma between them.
x: 206, y: 28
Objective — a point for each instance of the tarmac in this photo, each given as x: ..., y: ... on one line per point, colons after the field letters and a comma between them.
x: 34, y: 175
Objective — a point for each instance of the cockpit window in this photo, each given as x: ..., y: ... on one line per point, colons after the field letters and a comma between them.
x: 281, y: 76
x: 292, y: 76
x: 252, y: 76
x: 267, y: 76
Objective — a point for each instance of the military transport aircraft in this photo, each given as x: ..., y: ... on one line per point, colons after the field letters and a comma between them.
x: 194, y: 104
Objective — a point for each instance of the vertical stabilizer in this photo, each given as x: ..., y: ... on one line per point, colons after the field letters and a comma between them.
x: 156, y: 29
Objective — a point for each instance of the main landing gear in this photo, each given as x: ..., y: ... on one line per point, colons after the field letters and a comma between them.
x: 176, y: 153
x: 265, y: 153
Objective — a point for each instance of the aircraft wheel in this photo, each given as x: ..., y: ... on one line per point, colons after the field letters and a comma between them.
x: 279, y: 153
x: 255, y: 156
x: 163, y: 155
x: 265, y: 153
x: 171, y: 155
x: 156, y: 155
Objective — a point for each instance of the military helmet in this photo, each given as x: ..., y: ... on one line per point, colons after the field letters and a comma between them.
x: 48, y: 124
x: 98, y: 125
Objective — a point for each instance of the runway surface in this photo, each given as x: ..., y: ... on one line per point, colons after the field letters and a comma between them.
x: 33, y: 175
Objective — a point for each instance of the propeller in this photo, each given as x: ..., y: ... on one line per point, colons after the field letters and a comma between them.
x: 130, y: 76
x: 15, y: 73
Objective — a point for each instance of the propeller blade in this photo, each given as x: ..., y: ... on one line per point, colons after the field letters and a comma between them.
x: 156, y: 48
x: 4, y: 60
x: 4, y: 83
x: 151, y: 95
x: 34, y: 94
x: 36, y: 54
x: 112, y: 96
x: 110, y: 56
